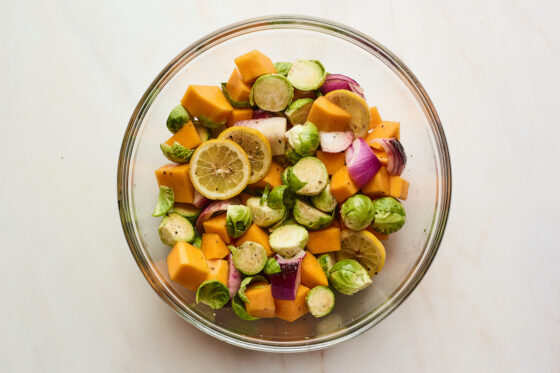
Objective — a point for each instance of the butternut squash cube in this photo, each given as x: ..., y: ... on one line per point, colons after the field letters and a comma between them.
x: 260, y: 301
x: 384, y: 130
x: 186, y: 136
x: 213, y: 246
x: 378, y: 186
x: 333, y: 161
x: 258, y: 235
x: 325, y: 240
x: 311, y: 272
x: 375, y: 118
x: 208, y: 101
x: 254, y: 64
x: 237, y: 88
x: 327, y: 116
x: 398, y: 187
x: 381, y: 155
x: 218, y: 269
x: 239, y: 114
x: 187, y: 266
x: 217, y: 225
x: 176, y: 176
x: 342, y: 186
x: 273, y: 177
x: 291, y: 310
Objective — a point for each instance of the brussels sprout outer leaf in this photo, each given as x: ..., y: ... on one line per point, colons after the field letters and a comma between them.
x: 212, y: 293
x: 238, y: 220
x: 272, y: 267
x: 176, y: 152
x: 283, y: 67
x: 177, y: 118
x: 239, y: 309
x: 246, y: 281
x: 236, y: 104
x: 209, y: 123
x: 165, y: 201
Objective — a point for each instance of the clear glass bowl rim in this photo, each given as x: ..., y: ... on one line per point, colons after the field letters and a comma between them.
x: 287, y: 22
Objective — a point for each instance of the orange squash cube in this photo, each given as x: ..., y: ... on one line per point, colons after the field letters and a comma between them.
x: 213, y: 246
x: 398, y: 187
x: 327, y: 116
x: 218, y: 269
x: 239, y: 114
x: 378, y: 186
x: 237, y: 88
x: 311, y: 272
x: 176, y: 177
x: 187, y: 266
x: 325, y: 240
x: 342, y: 186
x: 186, y: 136
x: 333, y: 161
x: 254, y: 64
x: 208, y: 101
x: 291, y: 310
x: 384, y: 130
x: 261, y: 303
x: 258, y: 235
x: 273, y: 177
x: 375, y: 118
x: 217, y: 225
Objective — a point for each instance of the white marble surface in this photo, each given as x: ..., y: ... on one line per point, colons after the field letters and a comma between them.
x: 72, y: 298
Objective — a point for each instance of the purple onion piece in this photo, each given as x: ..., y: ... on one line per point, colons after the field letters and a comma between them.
x: 284, y: 285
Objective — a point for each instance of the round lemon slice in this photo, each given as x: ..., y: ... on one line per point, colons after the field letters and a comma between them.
x: 356, y: 106
x: 363, y: 247
x: 219, y: 169
x: 255, y: 145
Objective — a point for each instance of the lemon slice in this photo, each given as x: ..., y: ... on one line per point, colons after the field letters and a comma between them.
x: 364, y: 247
x: 255, y: 145
x: 219, y: 169
x: 356, y: 106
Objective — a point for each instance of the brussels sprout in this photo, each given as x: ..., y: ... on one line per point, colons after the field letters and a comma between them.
x: 239, y: 308
x: 320, y: 301
x: 324, y: 201
x: 213, y: 293
x: 304, y: 138
x: 249, y: 258
x: 310, y: 217
x: 308, y: 177
x: 165, y: 201
x: 298, y: 110
x: 177, y: 118
x: 174, y: 228
x: 176, y: 152
x: 281, y: 196
x: 348, y: 277
x: 285, y: 175
x: 203, y: 133
x: 390, y: 215
x: 326, y: 261
x: 280, y: 222
x: 357, y: 212
x: 271, y: 92
x: 187, y: 210
x: 292, y: 156
x: 271, y: 267
x: 307, y: 75
x: 238, y: 220
x: 246, y: 281
x: 209, y: 123
x: 263, y: 215
x: 288, y: 240
x: 197, y: 240
x: 283, y: 67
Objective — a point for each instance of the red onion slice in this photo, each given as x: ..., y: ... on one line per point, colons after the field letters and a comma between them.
x: 339, y: 81
x: 362, y: 162
x: 396, y: 156
x: 335, y: 142
x: 259, y: 114
x: 284, y: 285
x: 199, y: 200
x: 234, y: 277
x: 212, y: 209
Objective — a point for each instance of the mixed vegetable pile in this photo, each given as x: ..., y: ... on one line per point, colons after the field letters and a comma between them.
x: 282, y: 185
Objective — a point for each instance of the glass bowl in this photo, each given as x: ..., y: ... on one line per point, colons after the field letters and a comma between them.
x: 388, y: 84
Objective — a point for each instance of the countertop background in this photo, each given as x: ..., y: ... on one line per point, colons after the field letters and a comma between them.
x: 72, y: 297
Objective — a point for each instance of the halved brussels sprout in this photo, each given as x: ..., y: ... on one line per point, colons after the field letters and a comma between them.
x: 250, y: 258
x: 176, y: 152
x: 238, y: 220
x: 324, y: 201
x: 213, y: 293
x: 271, y: 267
x: 280, y: 196
x: 288, y: 240
x: 348, y: 277
x: 187, y: 210
x: 298, y: 110
x: 271, y: 92
x: 203, y: 133
x: 197, y: 241
x: 310, y: 217
x: 308, y: 177
x: 263, y: 215
x: 304, y: 138
x: 283, y: 67
x: 357, y: 212
x: 320, y: 301
x: 165, y: 201
x: 390, y: 215
x: 174, y: 228
x: 326, y: 261
x: 292, y: 156
x: 177, y: 118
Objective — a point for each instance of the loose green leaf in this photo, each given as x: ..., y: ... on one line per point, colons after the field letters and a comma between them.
x: 165, y: 201
x: 246, y: 281
x: 209, y: 123
x: 177, y: 152
x: 236, y: 104
x: 271, y: 267
x: 239, y: 309
x: 213, y: 293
